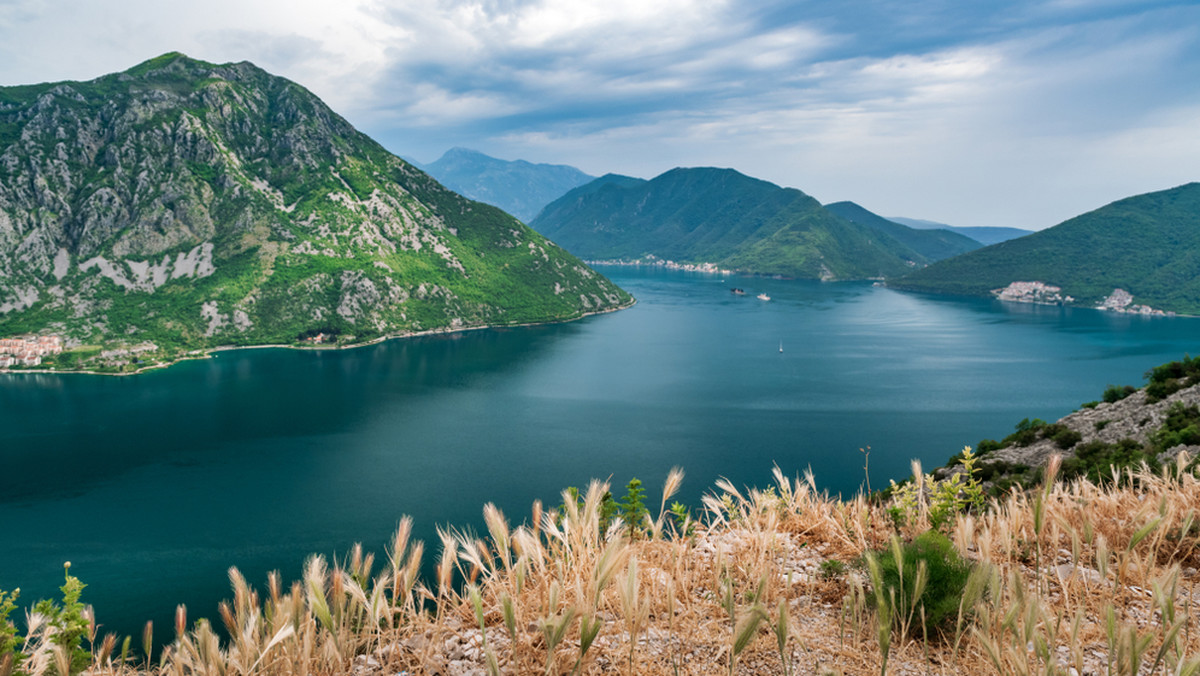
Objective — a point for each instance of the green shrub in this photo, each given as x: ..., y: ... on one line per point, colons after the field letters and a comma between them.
x: 941, y: 500
x: 682, y: 518
x: 1000, y: 468
x: 1028, y: 431
x: 1066, y: 437
x: 69, y: 621
x: 927, y: 575
x: 832, y: 568
x: 1089, y: 404
x: 1182, y: 426
x: 1095, y: 460
x: 1169, y: 378
x: 989, y: 445
x: 1115, y: 393
x: 9, y: 642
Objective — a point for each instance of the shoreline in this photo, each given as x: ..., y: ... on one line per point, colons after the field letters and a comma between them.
x: 208, y: 352
x: 1070, y: 306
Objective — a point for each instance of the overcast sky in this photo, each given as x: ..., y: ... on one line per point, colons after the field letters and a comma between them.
x: 971, y: 113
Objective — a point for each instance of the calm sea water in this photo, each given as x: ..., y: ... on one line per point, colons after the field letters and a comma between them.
x: 154, y: 485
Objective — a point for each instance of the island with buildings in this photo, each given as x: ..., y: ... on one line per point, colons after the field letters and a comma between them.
x: 1040, y: 293
x: 1121, y: 300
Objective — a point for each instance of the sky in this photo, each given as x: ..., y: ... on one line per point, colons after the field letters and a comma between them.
x: 1017, y: 113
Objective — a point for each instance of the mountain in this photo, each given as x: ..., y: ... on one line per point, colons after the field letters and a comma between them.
x: 932, y: 244
x: 521, y: 188
x: 707, y: 215
x: 194, y: 205
x: 982, y: 234
x: 1147, y: 245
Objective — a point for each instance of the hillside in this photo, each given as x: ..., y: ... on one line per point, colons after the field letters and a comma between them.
x: 983, y: 234
x: 707, y: 215
x: 933, y: 244
x: 1146, y: 245
x: 521, y: 188
x: 188, y: 205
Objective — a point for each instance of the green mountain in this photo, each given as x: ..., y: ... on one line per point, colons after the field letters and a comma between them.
x: 1147, y: 245
x: 932, y: 244
x: 521, y: 188
x: 706, y: 215
x: 983, y: 234
x: 193, y: 205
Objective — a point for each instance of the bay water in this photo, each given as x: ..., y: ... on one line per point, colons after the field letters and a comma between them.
x: 154, y: 485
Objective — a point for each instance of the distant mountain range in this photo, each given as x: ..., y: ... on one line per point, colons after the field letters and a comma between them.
x: 193, y: 205
x: 1147, y: 245
x: 521, y: 188
x: 932, y: 244
x: 720, y: 216
x: 981, y: 234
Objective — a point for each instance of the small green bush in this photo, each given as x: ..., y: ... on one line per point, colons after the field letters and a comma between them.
x: 1115, y: 393
x: 1000, y: 468
x: 1066, y: 437
x: 1169, y: 378
x: 68, y: 620
x: 988, y: 445
x: 1028, y: 431
x: 832, y: 568
x: 9, y: 642
x: 1095, y: 460
x: 929, y: 575
x: 1182, y: 426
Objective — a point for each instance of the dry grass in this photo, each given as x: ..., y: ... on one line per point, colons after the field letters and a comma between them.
x: 1075, y: 578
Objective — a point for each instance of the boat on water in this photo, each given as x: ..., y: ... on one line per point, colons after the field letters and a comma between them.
x: 738, y: 292
x: 763, y: 296
x: 781, y: 346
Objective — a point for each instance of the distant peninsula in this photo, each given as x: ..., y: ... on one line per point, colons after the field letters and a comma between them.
x: 733, y: 221
x: 182, y: 206
x: 1136, y: 255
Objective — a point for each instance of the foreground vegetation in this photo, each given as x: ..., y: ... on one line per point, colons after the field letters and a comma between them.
x: 1073, y: 577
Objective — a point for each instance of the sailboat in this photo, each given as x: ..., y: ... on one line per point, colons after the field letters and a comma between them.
x: 781, y: 346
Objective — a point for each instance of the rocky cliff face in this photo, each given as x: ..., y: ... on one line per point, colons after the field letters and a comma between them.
x: 194, y: 204
x: 1155, y: 426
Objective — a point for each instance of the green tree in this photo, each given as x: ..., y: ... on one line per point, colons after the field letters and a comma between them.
x: 633, y: 507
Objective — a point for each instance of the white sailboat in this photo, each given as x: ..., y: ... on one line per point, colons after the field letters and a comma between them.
x: 781, y: 346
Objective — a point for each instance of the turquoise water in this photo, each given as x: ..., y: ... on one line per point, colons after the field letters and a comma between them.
x: 153, y: 485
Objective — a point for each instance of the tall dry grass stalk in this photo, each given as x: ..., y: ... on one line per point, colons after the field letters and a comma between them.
x: 1095, y: 579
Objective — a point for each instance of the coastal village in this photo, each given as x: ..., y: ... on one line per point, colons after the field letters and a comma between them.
x: 31, y: 350
x: 651, y: 260
x: 28, y: 350
x: 1041, y: 293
